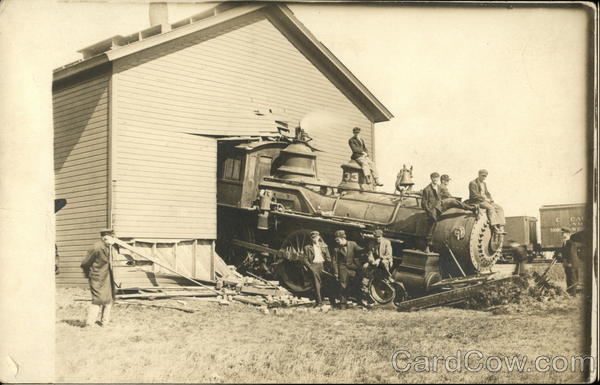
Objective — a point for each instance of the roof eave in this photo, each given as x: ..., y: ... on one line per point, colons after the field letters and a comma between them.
x: 70, y: 70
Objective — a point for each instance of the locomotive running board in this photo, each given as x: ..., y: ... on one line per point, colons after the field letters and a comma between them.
x: 448, y: 297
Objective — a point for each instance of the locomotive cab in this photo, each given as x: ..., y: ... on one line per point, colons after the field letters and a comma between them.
x: 241, y: 167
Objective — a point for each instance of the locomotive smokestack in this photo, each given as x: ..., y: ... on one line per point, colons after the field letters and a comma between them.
x: 159, y: 14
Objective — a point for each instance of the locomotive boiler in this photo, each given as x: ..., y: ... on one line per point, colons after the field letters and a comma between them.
x: 270, y: 196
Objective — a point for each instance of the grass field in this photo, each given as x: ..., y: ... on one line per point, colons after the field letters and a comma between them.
x: 239, y: 343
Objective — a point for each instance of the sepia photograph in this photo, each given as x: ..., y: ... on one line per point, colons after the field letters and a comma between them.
x: 287, y: 192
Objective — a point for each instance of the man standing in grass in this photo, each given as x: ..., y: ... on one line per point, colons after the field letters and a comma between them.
x: 315, y: 255
x: 97, y: 269
x: 347, y: 261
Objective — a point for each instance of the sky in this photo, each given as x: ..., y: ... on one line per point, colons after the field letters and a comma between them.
x: 470, y: 88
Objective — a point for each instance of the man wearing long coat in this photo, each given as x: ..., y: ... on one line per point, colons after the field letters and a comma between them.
x: 96, y: 266
x: 347, y: 262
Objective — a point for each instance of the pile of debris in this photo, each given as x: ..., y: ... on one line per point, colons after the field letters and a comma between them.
x: 519, y: 290
x: 229, y: 286
x: 234, y: 288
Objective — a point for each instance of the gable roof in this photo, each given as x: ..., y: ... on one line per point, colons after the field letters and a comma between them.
x: 116, y: 47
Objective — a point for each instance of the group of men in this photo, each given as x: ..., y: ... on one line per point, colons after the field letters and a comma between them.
x: 436, y: 199
x: 349, y: 264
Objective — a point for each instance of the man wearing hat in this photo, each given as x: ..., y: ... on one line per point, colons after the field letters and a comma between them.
x: 479, y: 194
x: 315, y: 255
x: 381, y: 251
x: 567, y: 254
x: 361, y: 155
x: 432, y: 204
x: 347, y: 261
x: 448, y: 201
x: 97, y: 269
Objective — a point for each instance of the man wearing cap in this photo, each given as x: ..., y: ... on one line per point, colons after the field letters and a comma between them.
x: 432, y: 204
x: 97, y: 269
x: 479, y: 194
x: 347, y: 264
x: 448, y: 201
x: 361, y: 155
x: 381, y: 251
x: 315, y: 255
x: 567, y: 255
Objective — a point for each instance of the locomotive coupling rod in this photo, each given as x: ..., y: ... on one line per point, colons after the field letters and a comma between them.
x: 454, y: 259
x: 253, y: 246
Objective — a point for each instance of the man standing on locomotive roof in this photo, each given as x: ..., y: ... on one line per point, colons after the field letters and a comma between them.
x: 315, y: 255
x: 432, y: 204
x: 361, y: 155
x: 347, y: 261
x: 97, y: 269
x: 448, y: 201
x: 479, y: 194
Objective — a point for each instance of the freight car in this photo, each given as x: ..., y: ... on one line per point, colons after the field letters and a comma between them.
x: 270, y: 196
x: 524, y: 230
x: 555, y: 217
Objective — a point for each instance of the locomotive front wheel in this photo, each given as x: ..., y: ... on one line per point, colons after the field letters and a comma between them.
x: 381, y: 291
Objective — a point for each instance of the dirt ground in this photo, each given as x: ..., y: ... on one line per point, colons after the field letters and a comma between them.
x: 240, y: 343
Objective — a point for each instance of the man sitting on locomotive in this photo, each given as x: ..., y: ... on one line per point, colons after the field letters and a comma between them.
x: 448, y: 201
x: 432, y: 204
x: 315, y: 255
x: 479, y: 194
x: 347, y: 262
x: 381, y: 251
x: 361, y: 155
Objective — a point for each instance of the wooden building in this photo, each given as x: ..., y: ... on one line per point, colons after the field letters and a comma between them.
x: 138, y: 118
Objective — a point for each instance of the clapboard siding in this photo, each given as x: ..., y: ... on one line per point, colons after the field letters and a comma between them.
x: 164, y: 181
x: 81, y: 171
x: 214, y: 86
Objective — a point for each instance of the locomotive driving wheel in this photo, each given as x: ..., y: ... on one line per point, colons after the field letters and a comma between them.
x: 292, y: 272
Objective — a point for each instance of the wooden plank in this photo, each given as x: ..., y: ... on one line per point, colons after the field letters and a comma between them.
x: 93, y: 131
x: 77, y: 88
x: 82, y: 165
x: 94, y: 109
x: 92, y: 177
x: 64, y: 191
x: 166, y: 295
x: 78, y: 144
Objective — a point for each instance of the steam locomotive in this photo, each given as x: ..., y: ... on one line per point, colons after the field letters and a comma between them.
x: 270, y: 198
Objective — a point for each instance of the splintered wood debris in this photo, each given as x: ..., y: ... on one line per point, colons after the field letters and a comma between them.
x: 235, y: 288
